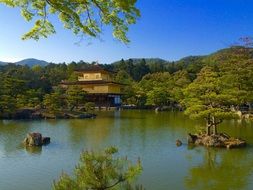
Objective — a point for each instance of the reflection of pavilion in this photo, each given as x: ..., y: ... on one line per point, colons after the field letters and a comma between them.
x: 98, y: 83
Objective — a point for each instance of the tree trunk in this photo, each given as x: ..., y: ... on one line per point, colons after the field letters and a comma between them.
x: 208, y: 130
x: 250, y: 107
x: 214, y: 126
x: 215, y: 129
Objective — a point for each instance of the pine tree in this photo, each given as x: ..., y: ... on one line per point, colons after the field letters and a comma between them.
x: 100, y: 172
x: 208, y: 98
x: 75, y: 96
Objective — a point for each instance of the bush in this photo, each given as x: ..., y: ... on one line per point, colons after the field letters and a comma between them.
x: 89, y: 106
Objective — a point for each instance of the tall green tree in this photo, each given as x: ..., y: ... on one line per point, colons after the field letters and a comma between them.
x: 207, y: 97
x: 53, y: 102
x: 8, y: 105
x: 238, y: 74
x: 30, y: 98
x: 11, y: 88
x: 236, y: 69
x: 157, y: 96
x: 156, y: 88
x: 100, y: 172
x: 75, y: 97
x: 84, y: 17
x: 180, y: 80
x: 123, y: 77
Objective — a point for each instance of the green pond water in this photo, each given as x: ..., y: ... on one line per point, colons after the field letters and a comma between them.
x: 143, y: 134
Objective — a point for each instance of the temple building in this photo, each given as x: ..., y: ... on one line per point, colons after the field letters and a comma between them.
x: 99, y: 85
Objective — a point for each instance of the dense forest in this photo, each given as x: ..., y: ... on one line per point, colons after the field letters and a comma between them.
x: 150, y: 82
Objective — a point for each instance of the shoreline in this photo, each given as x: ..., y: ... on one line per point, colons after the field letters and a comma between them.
x: 41, y: 114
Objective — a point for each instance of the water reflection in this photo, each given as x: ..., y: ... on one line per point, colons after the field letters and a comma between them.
x: 33, y: 150
x: 12, y: 136
x: 221, y: 169
x: 92, y: 131
x: 136, y: 133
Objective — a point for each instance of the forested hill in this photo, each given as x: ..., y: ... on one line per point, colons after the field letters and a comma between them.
x: 137, y: 68
x: 232, y: 54
x: 30, y: 62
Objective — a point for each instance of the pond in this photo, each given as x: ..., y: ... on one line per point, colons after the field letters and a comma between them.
x: 145, y: 134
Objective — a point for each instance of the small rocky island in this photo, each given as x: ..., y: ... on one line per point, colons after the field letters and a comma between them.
x: 216, y: 140
x: 36, y: 139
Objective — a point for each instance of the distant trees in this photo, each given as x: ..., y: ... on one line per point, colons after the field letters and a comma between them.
x: 180, y: 80
x: 156, y: 88
x: 140, y: 69
x: 25, y: 87
x: 163, y: 88
x: 123, y: 77
x: 55, y: 73
x: 101, y: 172
x: 137, y: 68
x: 238, y: 74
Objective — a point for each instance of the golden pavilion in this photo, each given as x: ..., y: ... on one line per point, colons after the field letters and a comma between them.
x: 99, y: 85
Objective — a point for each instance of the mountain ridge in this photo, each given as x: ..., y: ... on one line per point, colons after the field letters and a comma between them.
x: 29, y: 62
x: 183, y: 61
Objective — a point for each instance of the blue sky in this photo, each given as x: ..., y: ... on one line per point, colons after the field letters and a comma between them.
x: 168, y: 29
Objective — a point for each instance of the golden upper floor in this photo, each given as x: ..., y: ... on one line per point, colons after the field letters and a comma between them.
x: 84, y: 76
x: 94, y: 73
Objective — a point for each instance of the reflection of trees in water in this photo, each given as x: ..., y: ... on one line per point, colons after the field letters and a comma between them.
x: 12, y: 134
x: 142, y: 129
x: 221, y: 169
x: 33, y: 150
x: 93, y: 132
x: 128, y: 128
x: 242, y: 129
